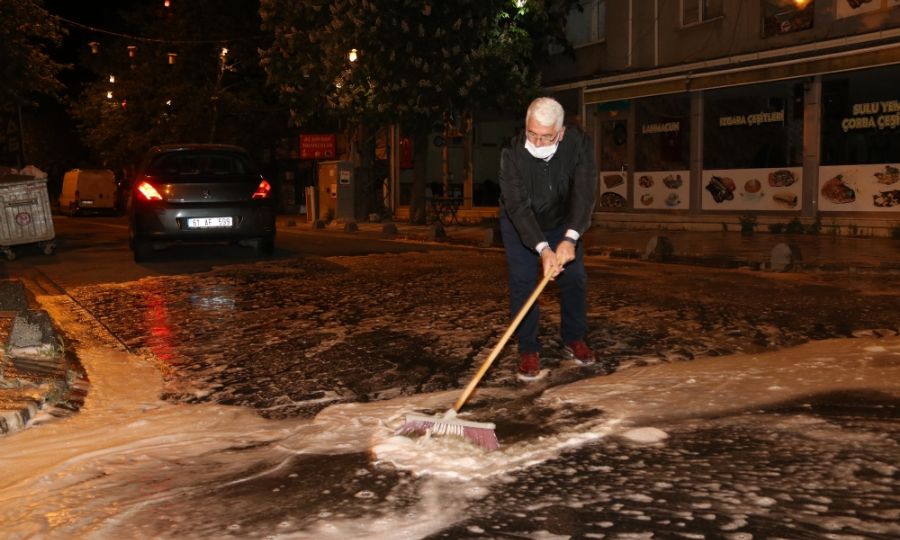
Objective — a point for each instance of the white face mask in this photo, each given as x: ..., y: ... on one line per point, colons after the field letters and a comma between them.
x: 541, y: 152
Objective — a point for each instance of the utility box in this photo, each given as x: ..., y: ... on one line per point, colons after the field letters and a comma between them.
x: 349, y: 197
x: 25, y: 216
x: 327, y: 179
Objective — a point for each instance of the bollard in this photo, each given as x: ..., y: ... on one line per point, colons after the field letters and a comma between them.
x: 489, y: 239
x: 659, y: 249
x: 785, y: 257
x: 436, y: 232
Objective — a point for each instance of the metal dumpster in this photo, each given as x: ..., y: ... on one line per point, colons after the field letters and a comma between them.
x: 25, y: 216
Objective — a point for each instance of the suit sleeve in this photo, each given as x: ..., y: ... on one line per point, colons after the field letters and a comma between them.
x: 516, y: 202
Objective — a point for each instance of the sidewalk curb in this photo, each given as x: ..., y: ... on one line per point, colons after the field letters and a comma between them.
x: 32, y: 369
x: 485, y: 236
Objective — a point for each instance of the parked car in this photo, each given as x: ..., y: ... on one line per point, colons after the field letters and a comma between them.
x: 199, y: 193
x: 88, y: 190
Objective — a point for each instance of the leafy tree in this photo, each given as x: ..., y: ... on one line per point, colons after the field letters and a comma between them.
x: 27, y: 71
x: 192, y: 75
x: 26, y: 33
x: 420, y: 64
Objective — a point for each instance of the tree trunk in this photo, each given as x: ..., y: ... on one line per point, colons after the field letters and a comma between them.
x: 420, y: 177
x: 366, y: 170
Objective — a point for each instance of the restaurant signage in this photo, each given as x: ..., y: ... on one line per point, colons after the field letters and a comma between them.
x: 874, y: 114
x: 752, y: 119
x: 666, y: 127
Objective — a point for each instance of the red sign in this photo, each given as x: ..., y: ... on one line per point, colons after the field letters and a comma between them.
x: 317, y: 146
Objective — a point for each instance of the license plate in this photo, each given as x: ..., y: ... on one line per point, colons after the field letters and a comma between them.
x: 209, y: 222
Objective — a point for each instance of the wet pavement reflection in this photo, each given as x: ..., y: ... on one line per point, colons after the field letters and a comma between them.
x: 290, y: 337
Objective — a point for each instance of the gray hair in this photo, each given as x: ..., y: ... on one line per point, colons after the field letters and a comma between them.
x: 546, y: 111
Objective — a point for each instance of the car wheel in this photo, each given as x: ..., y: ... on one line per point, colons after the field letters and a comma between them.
x: 143, y: 251
x: 265, y: 247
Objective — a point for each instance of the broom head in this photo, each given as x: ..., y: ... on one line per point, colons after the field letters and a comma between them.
x: 479, y: 433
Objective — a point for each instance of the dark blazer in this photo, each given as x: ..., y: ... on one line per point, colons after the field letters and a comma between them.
x: 540, y: 195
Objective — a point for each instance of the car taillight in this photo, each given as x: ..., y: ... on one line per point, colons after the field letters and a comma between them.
x: 147, y: 192
x: 263, y: 190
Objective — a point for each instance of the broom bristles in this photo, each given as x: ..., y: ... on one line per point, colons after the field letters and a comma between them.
x: 479, y: 433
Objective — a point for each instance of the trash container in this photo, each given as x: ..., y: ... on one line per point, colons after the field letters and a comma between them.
x: 25, y: 216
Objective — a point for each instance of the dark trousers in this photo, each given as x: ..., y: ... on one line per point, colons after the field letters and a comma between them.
x: 525, y: 272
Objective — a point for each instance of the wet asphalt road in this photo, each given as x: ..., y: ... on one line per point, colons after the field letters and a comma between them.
x: 292, y: 335
x: 289, y: 336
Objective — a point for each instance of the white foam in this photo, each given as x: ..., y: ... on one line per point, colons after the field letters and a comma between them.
x: 81, y: 469
x: 647, y: 435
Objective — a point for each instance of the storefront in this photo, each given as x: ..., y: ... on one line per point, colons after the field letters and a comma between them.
x: 860, y: 157
x: 796, y: 146
x: 753, y: 147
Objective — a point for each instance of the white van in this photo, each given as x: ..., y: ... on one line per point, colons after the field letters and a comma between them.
x: 87, y: 190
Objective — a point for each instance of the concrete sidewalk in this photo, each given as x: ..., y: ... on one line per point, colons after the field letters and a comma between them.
x: 728, y: 249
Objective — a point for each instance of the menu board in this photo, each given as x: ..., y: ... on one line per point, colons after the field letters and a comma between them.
x: 667, y: 190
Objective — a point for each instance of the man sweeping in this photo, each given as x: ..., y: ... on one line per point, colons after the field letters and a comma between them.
x: 548, y: 186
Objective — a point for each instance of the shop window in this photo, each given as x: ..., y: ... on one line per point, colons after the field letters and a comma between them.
x: 861, y: 117
x: 662, y: 153
x: 697, y: 11
x: 785, y: 16
x: 756, y: 126
x: 662, y: 136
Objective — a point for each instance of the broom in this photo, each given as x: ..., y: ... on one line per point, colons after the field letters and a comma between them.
x: 480, y: 433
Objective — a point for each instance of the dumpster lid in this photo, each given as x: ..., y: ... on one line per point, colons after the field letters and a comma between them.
x: 19, y: 178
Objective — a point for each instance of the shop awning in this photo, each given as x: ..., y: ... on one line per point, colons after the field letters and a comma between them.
x: 787, y: 69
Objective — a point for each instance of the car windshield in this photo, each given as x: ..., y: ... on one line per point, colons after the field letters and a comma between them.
x: 186, y: 166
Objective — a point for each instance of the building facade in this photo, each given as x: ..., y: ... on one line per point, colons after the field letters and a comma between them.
x: 706, y: 111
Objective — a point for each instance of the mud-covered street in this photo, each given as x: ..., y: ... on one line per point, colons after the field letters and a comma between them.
x: 289, y: 337
x: 262, y: 399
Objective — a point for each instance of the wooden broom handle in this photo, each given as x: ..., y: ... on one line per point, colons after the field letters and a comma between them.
x: 499, y: 347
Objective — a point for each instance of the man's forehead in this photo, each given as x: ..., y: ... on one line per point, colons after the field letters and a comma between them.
x: 536, y: 127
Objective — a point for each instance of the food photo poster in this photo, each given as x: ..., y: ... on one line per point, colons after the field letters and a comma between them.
x: 860, y: 188
x: 752, y: 189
